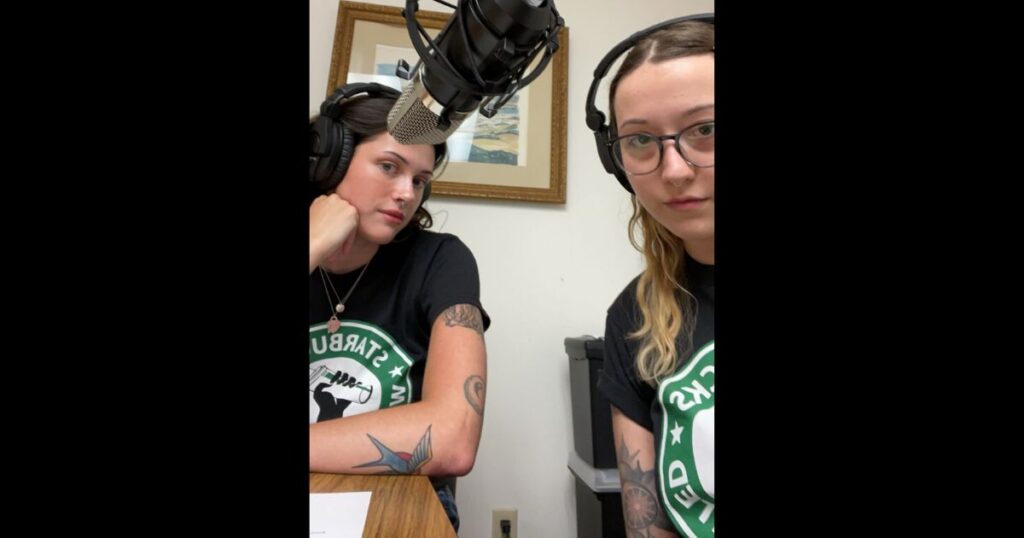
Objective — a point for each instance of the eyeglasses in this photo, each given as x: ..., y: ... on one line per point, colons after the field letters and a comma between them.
x: 640, y: 153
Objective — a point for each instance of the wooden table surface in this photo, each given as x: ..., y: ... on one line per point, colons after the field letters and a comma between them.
x: 400, y: 506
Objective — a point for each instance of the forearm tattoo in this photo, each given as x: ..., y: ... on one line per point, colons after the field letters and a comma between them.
x: 640, y: 504
x: 464, y: 315
x: 402, y: 462
x: 474, y: 388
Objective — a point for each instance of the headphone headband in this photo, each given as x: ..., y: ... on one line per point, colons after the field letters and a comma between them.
x: 596, y: 118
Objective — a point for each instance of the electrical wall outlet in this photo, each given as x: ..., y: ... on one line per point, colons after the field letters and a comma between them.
x: 506, y: 514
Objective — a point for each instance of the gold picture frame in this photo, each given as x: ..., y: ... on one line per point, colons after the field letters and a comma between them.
x: 525, y: 162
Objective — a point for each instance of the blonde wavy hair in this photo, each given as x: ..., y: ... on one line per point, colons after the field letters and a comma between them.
x: 666, y: 307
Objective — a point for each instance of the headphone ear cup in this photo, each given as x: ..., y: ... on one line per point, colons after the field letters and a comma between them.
x: 604, y: 151
x: 322, y: 158
x: 624, y: 181
x: 344, y: 151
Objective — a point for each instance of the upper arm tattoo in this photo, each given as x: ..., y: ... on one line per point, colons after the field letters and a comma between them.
x: 465, y: 315
x: 640, y: 504
x: 474, y: 388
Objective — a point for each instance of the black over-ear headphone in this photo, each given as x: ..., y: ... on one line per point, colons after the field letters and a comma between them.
x: 596, y: 119
x: 331, y: 142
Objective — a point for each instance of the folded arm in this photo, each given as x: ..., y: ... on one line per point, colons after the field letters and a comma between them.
x: 438, y: 435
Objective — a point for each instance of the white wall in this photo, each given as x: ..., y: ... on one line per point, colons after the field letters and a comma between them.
x: 546, y: 271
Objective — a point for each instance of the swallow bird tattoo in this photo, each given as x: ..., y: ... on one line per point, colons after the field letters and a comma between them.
x: 402, y: 462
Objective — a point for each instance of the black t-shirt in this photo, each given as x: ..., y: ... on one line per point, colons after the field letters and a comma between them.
x: 680, y: 411
x: 377, y: 357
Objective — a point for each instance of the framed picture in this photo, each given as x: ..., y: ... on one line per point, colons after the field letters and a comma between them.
x: 519, y: 154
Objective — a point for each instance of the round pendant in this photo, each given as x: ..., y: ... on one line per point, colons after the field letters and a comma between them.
x: 339, y: 308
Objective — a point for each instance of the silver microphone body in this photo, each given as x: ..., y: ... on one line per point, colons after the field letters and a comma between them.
x: 416, y: 116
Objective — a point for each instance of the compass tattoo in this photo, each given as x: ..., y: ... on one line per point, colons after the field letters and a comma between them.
x: 640, y: 504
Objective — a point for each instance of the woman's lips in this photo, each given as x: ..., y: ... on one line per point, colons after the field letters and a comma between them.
x: 686, y: 203
x: 392, y: 216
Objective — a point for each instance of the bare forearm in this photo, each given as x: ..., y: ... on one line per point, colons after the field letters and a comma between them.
x: 431, y: 438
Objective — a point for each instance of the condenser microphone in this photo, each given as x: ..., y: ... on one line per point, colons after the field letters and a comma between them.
x: 476, y: 63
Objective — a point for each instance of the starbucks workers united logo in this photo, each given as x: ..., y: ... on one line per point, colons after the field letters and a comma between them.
x: 356, y: 369
x: 686, y: 457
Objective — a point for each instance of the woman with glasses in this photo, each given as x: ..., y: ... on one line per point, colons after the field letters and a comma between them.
x: 659, y: 336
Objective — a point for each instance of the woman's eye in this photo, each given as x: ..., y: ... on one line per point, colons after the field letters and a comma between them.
x: 704, y: 130
x: 640, y: 140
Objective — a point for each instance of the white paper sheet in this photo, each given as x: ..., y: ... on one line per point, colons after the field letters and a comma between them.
x: 338, y: 515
